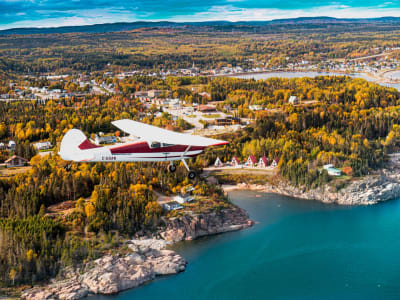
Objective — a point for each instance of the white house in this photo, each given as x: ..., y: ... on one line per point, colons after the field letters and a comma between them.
x: 293, y: 100
x: 235, y: 162
x: 43, y: 145
x: 251, y: 161
x: 107, y: 139
x: 334, y: 172
x: 263, y: 162
x: 328, y: 166
x: 172, y: 205
x: 11, y: 145
x: 275, y: 163
x: 218, y: 163
x: 255, y: 107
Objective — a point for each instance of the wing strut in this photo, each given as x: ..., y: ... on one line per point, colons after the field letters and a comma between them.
x: 185, y: 164
x: 186, y: 151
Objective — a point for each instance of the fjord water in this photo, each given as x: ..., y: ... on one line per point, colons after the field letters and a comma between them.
x: 298, y: 250
x: 267, y: 75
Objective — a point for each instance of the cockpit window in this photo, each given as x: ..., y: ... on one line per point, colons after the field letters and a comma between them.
x: 159, y: 145
x: 155, y: 145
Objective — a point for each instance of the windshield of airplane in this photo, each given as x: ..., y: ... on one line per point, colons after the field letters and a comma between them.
x: 159, y: 145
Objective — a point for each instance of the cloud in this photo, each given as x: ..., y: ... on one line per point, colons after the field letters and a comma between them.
x: 43, y: 13
x: 234, y: 14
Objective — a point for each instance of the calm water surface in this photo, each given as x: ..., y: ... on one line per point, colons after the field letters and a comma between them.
x: 298, y: 250
x: 314, y: 74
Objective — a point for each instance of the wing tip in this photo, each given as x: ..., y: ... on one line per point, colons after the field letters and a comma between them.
x: 220, y: 143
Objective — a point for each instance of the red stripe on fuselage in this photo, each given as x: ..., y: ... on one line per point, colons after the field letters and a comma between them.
x: 86, y: 144
x: 143, y: 147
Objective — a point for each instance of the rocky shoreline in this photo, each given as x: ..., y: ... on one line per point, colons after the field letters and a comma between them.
x: 148, y: 259
x: 365, y: 191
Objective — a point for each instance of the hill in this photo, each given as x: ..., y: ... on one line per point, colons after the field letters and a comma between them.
x: 116, y: 27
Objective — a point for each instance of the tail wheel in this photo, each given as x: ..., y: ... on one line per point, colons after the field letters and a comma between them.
x: 172, y: 168
x: 192, y: 175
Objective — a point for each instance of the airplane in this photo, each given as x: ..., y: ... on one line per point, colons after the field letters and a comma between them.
x: 153, y: 144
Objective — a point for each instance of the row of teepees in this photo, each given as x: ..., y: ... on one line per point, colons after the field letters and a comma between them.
x: 263, y: 162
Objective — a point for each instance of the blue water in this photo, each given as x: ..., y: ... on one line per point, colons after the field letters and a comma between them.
x: 315, y: 74
x: 298, y: 250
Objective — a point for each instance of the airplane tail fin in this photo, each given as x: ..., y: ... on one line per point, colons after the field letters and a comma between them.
x: 73, y: 145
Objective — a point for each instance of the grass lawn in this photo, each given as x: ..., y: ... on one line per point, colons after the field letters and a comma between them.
x: 248, y: 175
x: 211, y: 116
x: 7, y: 172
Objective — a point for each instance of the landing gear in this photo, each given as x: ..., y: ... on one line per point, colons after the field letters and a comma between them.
x: 191, y: 174
x: 171, y: 168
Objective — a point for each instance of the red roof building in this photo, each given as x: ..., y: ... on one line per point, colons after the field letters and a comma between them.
x: 263, y: 162
x: 251, y: 161
x: 207, y: 108
x: 235, y: 162
x: 275, y: 162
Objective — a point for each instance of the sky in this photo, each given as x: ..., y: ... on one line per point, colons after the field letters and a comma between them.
x: 55, y: 13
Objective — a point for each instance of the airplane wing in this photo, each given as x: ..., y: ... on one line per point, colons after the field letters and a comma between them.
x: 156, y: 134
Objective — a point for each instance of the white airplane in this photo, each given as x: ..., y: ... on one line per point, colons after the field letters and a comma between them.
x: 153, y: 144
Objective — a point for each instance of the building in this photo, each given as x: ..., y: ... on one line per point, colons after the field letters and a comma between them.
x: 255, y: 107
x: 11, y: 145
x: 227, y: 107
x: 106, y: 139
x: 16, y: 161
x: 293, y: 100
x: 332, y: 171
x: 42, y: 145
x: 186, y: 195
x: 263, y: 162
x: 235, y: 162
x: 172, y: 205
x: 251, y: 161
x: 205, y: 95
x: 207, y: 108
x: 174, y: 104
x: 228, y: 120
x: 328, y: 166
x: 218, y: 163
x: 142, y: 95
x: 275, y: 163
x: 154, y: 93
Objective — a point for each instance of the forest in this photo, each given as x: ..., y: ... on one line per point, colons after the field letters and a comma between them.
x: 209, y: 46
x: 348, y: 122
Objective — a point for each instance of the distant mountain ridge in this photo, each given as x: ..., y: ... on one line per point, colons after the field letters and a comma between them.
x: 123, y: 26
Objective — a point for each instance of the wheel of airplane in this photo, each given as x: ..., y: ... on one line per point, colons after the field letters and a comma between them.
x: 172, y: 168
x: 192, y: 175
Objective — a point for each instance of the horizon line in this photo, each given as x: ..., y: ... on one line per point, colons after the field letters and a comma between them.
x: 200, y: 21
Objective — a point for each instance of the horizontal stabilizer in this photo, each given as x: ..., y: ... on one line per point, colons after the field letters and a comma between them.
x: 155, y: 134
x: 73, y: 146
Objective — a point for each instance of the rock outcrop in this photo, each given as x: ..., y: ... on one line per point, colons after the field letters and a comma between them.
x: 149, y: 258
x: 365, y: 191
x: 192, y: 226
x: 112, y: 274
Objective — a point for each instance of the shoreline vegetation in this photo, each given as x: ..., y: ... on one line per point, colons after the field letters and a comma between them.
x: 147, y: 257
